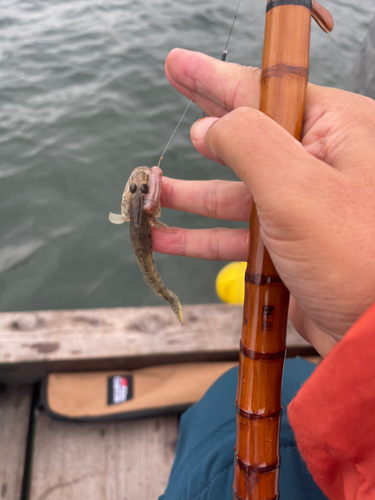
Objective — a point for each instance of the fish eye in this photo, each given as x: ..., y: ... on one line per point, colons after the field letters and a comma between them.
x: 144, y: 188
x: 133, y: 188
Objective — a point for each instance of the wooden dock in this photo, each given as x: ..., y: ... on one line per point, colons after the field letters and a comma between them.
x: 43, y: 459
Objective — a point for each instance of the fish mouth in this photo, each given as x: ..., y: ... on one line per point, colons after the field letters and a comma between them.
x: 136, y: 209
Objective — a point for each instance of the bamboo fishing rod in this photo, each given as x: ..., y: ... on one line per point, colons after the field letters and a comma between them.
x: 284, y: 77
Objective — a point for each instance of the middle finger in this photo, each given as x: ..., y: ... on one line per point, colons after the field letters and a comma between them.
x: 226, y: 200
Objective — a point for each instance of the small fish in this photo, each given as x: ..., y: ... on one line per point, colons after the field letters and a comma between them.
x: 141, y: 205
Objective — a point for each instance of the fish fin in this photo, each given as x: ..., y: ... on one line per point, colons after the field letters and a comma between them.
x: 117, y: 218
x: 162, y: 227
x: 158, y: 211
x: 175, y: 305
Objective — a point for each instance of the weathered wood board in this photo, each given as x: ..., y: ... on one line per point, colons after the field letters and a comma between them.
x: 127, y: 460
x: 35, y: 343
x: 15, y: 404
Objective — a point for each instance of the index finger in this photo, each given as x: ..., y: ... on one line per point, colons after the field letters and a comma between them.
x: 217, y: 86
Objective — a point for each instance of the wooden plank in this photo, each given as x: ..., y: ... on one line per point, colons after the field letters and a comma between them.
x: 35, y: 343
x: 127, y: 460
x: 14, y: 424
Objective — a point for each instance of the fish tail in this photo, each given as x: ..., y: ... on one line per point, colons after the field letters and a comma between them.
x: 175, y: 305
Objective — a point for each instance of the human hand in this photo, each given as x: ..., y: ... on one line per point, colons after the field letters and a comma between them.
x: 315, y: 200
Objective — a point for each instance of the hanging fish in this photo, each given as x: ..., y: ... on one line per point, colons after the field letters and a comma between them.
x: 141, y: 206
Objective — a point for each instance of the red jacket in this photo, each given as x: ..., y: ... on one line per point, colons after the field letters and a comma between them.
x: 333, y: 416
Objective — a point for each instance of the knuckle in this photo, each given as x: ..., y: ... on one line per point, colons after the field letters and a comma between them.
x: 210, y: 201
x: 214, y: 244
x: 184, y: 251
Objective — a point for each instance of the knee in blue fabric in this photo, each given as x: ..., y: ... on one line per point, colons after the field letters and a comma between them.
x: 203, y: 468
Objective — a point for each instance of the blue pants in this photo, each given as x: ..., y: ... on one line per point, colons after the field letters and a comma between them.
x: 203, y: 468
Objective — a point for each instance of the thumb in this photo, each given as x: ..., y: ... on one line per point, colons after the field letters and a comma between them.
x: 277, y: 170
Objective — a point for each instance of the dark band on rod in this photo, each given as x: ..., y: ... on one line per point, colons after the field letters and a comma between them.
x: 236, y: 497
x: 254, y: 469
x: 256, y: 416
x: 261, y: 279
x: 276, y: 3
x: 249, y: 353
x: 280, y: 70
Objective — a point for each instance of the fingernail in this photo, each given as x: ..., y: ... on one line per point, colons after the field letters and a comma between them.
x: 200, y: 127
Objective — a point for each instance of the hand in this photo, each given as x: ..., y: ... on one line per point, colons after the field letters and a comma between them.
x: 315, y: 200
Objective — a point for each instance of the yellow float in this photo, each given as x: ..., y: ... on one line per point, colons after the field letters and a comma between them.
x: 230, y: 283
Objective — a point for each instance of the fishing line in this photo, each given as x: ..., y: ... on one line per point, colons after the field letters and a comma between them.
x: 175, y: 130
x: 223, y: 58
x: 225, y: 51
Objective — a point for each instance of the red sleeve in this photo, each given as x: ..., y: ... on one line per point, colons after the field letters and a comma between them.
x: 333, y: 416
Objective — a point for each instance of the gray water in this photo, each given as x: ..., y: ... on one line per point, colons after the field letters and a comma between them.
x: 83, y: 101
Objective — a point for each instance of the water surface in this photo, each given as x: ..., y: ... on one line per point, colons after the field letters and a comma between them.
x: 83, y: 101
